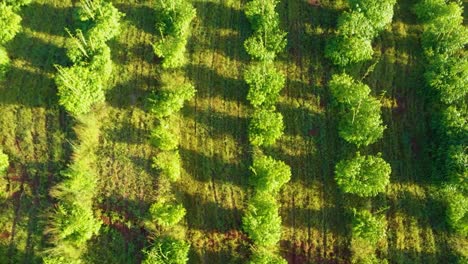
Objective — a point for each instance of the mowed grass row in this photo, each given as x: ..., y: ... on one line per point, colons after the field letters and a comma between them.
x: 214, y: 144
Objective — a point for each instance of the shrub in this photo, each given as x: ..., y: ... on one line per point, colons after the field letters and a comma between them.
x: 343, y: 51
x: 265, y: 84
x: 4, y: 163
x: 167, y: 214
x: 379, y: 13
x: 365, y: 176
x: 262, y: 14
x: 261, y: 220
x: 164, y: 136
x: 167, y: 250
x: 106, y: 24
x: 368, y: 227
x: 10, y: 23
x: 355, y: 24
x: 168, y: 162
x: 269, y: 175
x: 265, y: 127
x: 265, y: 45
x: 264, y: 256
x: 79, y: 88
x: 4, y: 63
x: 345, y: 90
x: 172, y: 98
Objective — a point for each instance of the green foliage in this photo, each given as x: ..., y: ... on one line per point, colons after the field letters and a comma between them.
x: 4, y: 163
x: 379, y: 13
x: 175, y: 91
x: 427, y: 10
x: 265, y: 127
x: 264, y: 256
x: 164, y: 136
x: 10, y: 23
x: 4, y: 63
x: 167, y: 250
x: 362, y: 252
x: 365, y: 176
x: 457, y: 166
x: 269, y: 175
x: 173, y: 24
x: 262, y: 221
x: 368, y: 227
x: 457, y: 208
x: 167, y: 214
x: 265, y: 83
x: 355, y: 24
x: 449, y: 76
x: 79, y: 88
x: 343, y: 51
x: 360, y: 115
x: 16, y: 3
x: 168, y: 162
x: 106, y: 23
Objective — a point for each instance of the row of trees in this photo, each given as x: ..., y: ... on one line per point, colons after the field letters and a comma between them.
x: 173, y: 25
x: 360, y: 122
x: 356, y: 29
x: 261, y: 221
x: 80, y: 86
x: 10, y: 25
x: 444, y: 43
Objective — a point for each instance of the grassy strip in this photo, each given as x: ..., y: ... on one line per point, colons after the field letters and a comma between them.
x: 360, y: 122
x: 444, y: 41
x: 262, y: 221
x: 173, y: 25
x: 80, y: 86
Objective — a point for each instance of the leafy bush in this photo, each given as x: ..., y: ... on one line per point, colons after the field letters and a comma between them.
x: 173, y: 96
x: 264, y: 256
x: 262, y: 221
x: 269, y: 175
x: 10, y: 23
x: 379, y: 13
x: 166, y: 213
x: 79, y: 88
x: 265, y: 127
x: 368, y: 227
x: 4, y: 63
x: 265, y: 84
x: 4, y: 163
x: 174, y: 18
x: 168, y: 162
x: 343, y: 51
x: 164, y: 136
x: 167, y: 250
x: 365, y: 176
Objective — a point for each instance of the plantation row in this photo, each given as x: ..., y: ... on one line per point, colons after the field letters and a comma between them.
x: 444, y: 43
x: 360, y: 122
x: 10, y: 25
x: 80, y: 87
x: 261, y: 221
x: 173, y: 27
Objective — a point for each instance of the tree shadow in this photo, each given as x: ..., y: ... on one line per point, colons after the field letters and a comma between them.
x: 210, y: 216
x: 131, y: 93
x: 126, y: 132
x: 141, y: 16
x: 214, y: 168
x: 53, y: 19
x: 224, y: 87
x: 232, y: 255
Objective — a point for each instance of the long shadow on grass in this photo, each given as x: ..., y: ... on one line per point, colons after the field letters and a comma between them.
x: 46, y: 18
x: 214, y: 168
x: 40, y: 54
x: 126, y: 132
x: 142, y: 17
x: 131, y: 93
x: 28, y: 88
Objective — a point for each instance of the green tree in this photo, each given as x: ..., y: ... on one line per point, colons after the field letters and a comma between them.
x: 365, y: 176
x: 265, y: 127
x: 4, y: 63
x: 355, y: 24
x: 10, y: 23
x: 345, y: 90
x: 265, y: 83
x: 268, y: 174
x: 168, y: 162
x: 4, y: 163
x: 165, y: 136
x: 368, y: 227
x: 262, y: 221
x: 17, y: 3
x: 457, y: 208
x: 343, y: 51
x: 379, y: 13
x: 167, y: 213
x: 167, y: 250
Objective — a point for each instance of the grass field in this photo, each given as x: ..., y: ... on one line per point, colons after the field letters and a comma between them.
x: 214, y: 144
